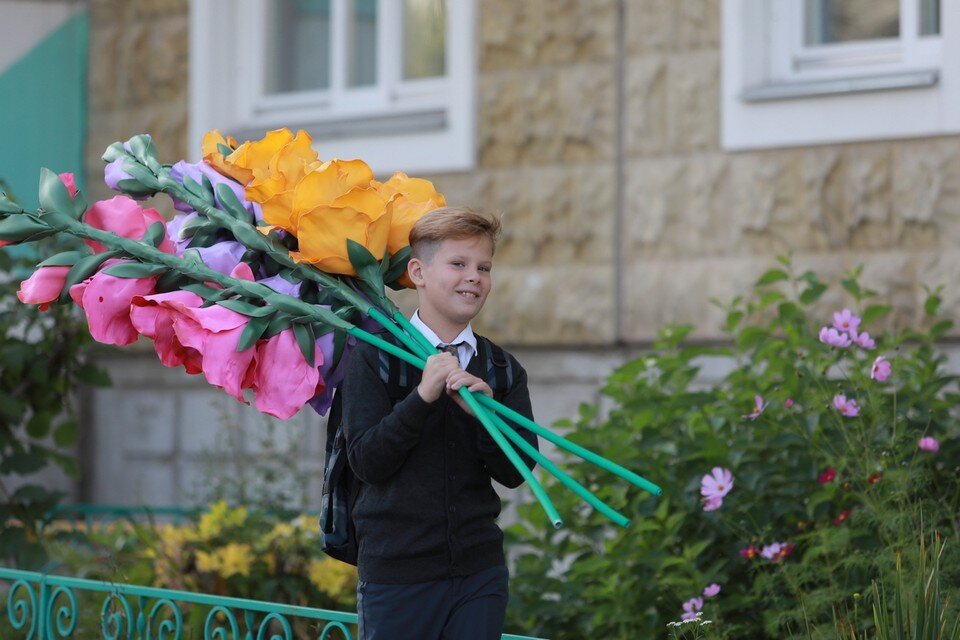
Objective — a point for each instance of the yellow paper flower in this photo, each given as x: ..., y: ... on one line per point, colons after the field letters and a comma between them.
x: 212, y: 155
x: 323, y: 233
x: 278, y: 164
x: 409, y: 199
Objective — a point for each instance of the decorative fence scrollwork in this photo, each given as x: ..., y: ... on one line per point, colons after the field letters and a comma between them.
x: 47, y: 607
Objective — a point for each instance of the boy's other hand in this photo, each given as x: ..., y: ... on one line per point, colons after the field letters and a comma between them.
x: 460, y: 378
x: 435, y: 374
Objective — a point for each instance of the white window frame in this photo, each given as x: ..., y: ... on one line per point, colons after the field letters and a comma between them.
x: 423, y: 125
x: 779, y: 92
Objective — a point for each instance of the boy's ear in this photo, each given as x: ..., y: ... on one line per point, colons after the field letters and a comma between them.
x: 415, y: 271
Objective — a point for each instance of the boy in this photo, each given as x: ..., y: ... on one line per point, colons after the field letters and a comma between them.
x: 431, y: 559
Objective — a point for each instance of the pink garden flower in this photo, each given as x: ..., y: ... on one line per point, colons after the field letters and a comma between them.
x: 827, y: 476
x: 750, y: 552
x: 788, y: 403
x: 846, y: 407
x: 691, y: 608
x: 834, y: 338
x: 931, y: 445
x: 714, y: 486
x: 846, y: 321
x: 758, y: 407
x: 881, y: 369
x: 840, y: 519
x: 863, y: 340
x: 43, y: 287
x: 777, y: 551
x: 711, y: 590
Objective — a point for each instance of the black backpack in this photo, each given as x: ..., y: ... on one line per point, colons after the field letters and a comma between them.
x: 340, y: 487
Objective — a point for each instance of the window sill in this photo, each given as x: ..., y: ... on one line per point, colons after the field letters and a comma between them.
x: 838, y: 86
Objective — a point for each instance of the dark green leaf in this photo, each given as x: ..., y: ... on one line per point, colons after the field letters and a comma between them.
x: 874, y: 313
x: 38, y: 426
x: 229, y: 199
x: 246, y: 308
x: 279, y: 322
x: 23, y: 226
x: 937, y: 330
x: 154, y: 234
x: 83, y: 269
x: 65, y: 434
x: 931, y: 306
x: 812, y: 293
x: 202, y: 290
x: 252, y: 332
x: 22, y: 463
x: 135, y: 270
x: 852, y: 287
x: 64, y: 259
x: 771, y: 276
x: 398, y: 265
x: 53, y: 193
x: 93, y: 375
x: 306, y: 340
x: 366, y: 266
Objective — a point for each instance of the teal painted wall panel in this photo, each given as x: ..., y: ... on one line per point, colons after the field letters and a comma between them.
x: 43, y: 110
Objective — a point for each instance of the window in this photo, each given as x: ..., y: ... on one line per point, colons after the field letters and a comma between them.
x: 818, y: 71
x: 389, y: 81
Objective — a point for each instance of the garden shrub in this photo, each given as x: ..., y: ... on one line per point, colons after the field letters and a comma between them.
x: 830, y: 483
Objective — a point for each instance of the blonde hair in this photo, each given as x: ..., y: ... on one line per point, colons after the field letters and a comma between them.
x: 451, y: 223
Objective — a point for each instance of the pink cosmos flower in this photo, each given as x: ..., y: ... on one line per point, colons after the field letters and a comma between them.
x: 43, y: 287
x: 846, y: 407
x: 929, y: 444
x: 776, y: 551
x: 712, y: 504
x: 124, y: 217
x: 788, y: 403
x: 827, y: 476
x: 714, y: 486
x: 106, y: 299
x: 840, y: 519
x: 691, y: 608
x: 863, y: 340
x: 846, y: 321
x: 750, y: 552
x: 711, y: 590
x: 834, y: 338
x: 881, y: 369
x: 758, y: 407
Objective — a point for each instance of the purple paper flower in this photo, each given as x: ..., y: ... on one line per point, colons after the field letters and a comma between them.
x: 846, y: 321
x: 881, y: 369
x: 846, y: 407
x: 691, y: 608
x: 931, y: 445
x: 173, y: 231
x: 113, y: 173
x: 711, y: 590
x: 221, y: 256
x: 197, y: 171
x: 282, y: 285
x: 834, y: 338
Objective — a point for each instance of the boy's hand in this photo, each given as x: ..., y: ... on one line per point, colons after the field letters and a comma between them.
x: 435, y: 374
x: 460, y: 378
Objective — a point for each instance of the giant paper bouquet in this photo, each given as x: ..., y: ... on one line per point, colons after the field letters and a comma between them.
x: 275, y: 265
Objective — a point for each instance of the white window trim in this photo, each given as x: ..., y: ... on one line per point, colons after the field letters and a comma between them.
x: 422, y: 126
x: 777, y: 93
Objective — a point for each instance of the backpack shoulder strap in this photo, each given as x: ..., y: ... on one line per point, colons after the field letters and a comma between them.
x: 498, y: 366
x: 394, y: 373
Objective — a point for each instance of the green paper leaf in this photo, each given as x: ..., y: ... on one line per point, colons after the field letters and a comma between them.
x: 279, y: 322
x: 398, y: 265
x: 7, y: 205
x: 224, y: 149
x: 252, y: 332
x: 247, y: 309
x: 53, y: 193
x: 306, y: 340
x: 83, y: 269
x: 64, y: 259
x: 113, y: 152
x: 144, y: 150
x: 20, y: 227
x: 233, y: 205
x: 141, y: 174
x: 154, y: 234
x: 339, y: 344
x: 360, y: 257
x: 135, y: 270
x: 195, y: 188
x: 202, y: 290
x: 79, y: 206
x: 170, y: 281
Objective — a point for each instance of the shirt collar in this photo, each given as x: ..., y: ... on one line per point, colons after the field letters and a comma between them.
x: 466, y: 335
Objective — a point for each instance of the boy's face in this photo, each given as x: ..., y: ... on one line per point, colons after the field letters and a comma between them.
x: 454, y: 283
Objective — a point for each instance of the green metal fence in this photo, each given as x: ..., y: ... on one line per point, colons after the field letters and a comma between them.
x: 46, y: 607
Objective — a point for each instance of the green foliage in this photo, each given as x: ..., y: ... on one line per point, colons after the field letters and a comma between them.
x: 682, y: 409
x: 43, y: 359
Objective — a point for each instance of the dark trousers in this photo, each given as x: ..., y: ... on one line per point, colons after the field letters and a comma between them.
x: 468, y: 608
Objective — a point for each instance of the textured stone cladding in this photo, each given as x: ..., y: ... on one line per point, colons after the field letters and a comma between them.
x: 598, y: 141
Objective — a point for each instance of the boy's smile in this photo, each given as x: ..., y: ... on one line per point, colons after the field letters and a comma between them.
x: 453, y: 284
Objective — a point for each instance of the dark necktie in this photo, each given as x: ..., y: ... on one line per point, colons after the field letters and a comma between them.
x: 452, y: 349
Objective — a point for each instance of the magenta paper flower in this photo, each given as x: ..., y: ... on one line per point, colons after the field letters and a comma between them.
x: 846, y: 407
x: 124, y: 217
x: 832, y: 337
x: 846, y: 321
x: 714, y: 486
x: 691, y: 608
x: 153, y: 317
x: 881, y: 369
x: 711, y: 590
x: 758, y: 407
x: 106, y: 301
x: 215, y: 333
x: 43, y: 287
x: 929, y: 444
x: 69, y: 182
x: 863, y: 340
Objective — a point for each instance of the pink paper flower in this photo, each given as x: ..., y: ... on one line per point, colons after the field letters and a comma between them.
x: 758, y: 407
x: 691, y: 608
x: 282, y: 378
x: 43, y: 287
x: 69, y: 183
x: 846, y: 407
x: 832, y: 337
x: 153, y: 317
x: 124, y: 217
x: 106, y: 299
x: 846, y: 321
x: 929, y: 444
x: 714, y: 486
x: 881, y: 369
x: 863, y: 340
x: 711, y: 590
